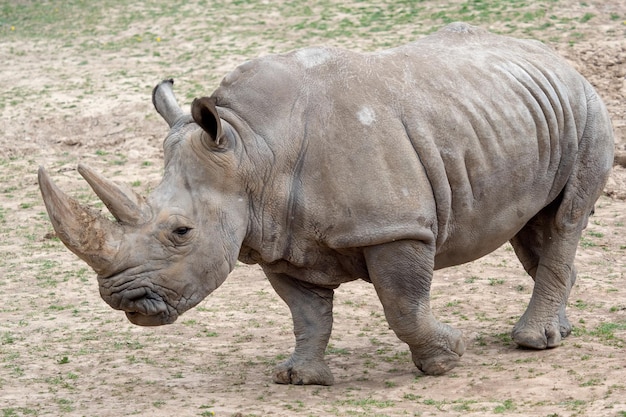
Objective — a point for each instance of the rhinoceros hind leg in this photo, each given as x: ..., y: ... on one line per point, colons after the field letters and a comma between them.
x: 547, y: 244
x: 401, y: 273
x: 312, y: 313
x: 545, y: 321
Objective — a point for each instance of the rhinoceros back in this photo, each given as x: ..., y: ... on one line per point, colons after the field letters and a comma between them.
x: 459, y: 138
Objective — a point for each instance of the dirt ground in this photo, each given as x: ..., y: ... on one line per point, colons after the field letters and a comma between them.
x: 63, y: 351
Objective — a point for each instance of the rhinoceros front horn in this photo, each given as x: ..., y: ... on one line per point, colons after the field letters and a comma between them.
x: 88, y: 234
x: 165, y: 103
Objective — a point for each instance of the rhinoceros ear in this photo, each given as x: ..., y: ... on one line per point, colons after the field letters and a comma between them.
x: 204, y: 113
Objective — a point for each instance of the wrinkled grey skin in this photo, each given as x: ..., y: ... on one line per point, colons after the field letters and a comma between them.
x: 325, y: 166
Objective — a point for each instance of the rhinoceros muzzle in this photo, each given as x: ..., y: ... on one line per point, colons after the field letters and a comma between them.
x: 140, y: 293
x: 140, y: 300
x: 142, y: 305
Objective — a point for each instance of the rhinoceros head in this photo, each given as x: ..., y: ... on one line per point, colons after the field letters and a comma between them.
x: 164, y: 253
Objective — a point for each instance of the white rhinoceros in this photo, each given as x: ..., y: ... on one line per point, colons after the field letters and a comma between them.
x: 326, y: 166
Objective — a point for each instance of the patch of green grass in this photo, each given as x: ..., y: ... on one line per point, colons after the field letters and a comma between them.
x: 47, y: 272
x: 507, y: 405
x: 439, y: 405
x: 496, y: 281
x: 295, y: 405
x: 7, y: 338
x: 463, y: 405
x: 366, y: 403
x: 574, y: 404
x: 505, y: 338
x: 595, y: 234
x: 527, y: 360
x: 471, y: 279
x: 591, y: 382
x: 332, y: 350
x: 587, y: 243
x: 129, y: 344
x: 65, y: 405
x: 459, y: 405
x: 606, y: 331
x: 207, y: 413
x: 18, y: 411
x: 587, y: 17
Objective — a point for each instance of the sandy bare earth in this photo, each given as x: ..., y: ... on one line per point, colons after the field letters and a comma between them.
x: 84, y: 96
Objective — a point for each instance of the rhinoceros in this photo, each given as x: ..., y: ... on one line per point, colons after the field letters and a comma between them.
x: 325, y: 166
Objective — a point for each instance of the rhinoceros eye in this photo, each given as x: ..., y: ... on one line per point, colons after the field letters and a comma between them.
x: 182, y: 231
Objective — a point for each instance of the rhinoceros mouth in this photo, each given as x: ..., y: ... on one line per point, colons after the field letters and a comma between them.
x: 149, y: 310
x: 143, y: 306
x: 141, y: 319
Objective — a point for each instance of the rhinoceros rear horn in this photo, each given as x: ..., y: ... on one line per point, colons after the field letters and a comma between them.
x: 92, y: 237
x: 123, y: 203
x: 165, y: 102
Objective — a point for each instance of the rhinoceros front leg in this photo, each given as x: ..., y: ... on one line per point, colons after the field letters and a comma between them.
x: 312, y: 312
x: 401, y: 273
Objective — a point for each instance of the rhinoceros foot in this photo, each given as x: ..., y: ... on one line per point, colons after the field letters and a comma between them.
x: 303, y: 373
x: 442, y: 355
x: 540, y: 335
x: 565, y: 327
